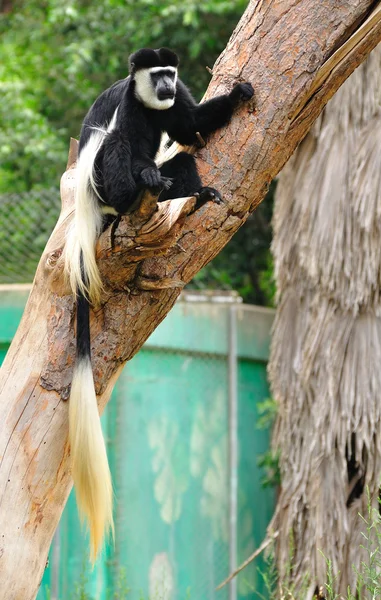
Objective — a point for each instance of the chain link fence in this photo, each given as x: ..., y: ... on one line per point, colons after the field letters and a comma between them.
x: 26, y: 222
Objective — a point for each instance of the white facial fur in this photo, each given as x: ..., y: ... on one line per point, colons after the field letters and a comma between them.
x: 146, y: 93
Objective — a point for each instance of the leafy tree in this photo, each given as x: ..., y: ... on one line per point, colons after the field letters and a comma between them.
x: 245, y: 264
x: 57, y: 57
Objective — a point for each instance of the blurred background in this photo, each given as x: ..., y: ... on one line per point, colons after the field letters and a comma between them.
x: 183, y: 421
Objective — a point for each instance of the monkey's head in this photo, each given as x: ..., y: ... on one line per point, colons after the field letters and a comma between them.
x: 155, y: 76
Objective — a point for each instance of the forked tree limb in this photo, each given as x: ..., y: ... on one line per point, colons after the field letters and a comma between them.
x: 287, y: 50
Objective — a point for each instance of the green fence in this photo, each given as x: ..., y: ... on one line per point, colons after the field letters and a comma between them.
x: 27, y: 220
x: 181, y: 430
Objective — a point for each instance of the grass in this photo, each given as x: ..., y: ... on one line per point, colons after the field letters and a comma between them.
x: 368, y: 574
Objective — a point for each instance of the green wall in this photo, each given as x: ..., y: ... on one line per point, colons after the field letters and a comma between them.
x: 167, y: 434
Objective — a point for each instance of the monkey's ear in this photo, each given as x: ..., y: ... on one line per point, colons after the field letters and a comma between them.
x: 168, y: 57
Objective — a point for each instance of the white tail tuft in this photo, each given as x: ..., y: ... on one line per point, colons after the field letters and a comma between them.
x: 90, y: 469
x: 87, y: 224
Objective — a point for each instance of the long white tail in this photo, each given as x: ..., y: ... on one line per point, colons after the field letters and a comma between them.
x: 86, y: 227
x: 90, y: 469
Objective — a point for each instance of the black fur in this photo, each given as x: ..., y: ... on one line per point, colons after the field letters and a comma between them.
x: 125, y: 163
x: 146, y: 58
x: 83, y: 347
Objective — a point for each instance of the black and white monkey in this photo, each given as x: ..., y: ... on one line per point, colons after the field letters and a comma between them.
x: 119, y: 142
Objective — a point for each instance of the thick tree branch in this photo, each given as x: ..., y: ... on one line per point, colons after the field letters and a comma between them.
x: 296, y: 53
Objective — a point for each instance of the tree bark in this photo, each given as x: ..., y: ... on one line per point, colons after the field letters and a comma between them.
x: 296, y: 53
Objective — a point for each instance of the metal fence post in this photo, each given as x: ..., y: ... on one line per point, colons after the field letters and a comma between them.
x: 55, y: 565
x: 233, y: 447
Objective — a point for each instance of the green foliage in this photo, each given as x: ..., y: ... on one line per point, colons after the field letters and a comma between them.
x: 331, y: 580
x: 80, y: 587
x: 270, y: 578
x: 57, y: 57
x: 268, y: 410
x: 121, y: 590
x: 269, y: 461
x: 285, y: 589
x: 368, y: 574
x: 245, y: 264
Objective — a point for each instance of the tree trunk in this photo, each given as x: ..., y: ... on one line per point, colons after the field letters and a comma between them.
x: 296, y: 54
x: 326, y: 349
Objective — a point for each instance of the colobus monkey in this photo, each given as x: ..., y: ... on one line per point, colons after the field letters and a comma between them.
x: 119, y: 141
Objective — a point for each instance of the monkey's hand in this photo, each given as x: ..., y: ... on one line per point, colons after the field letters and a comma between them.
x: 241, y: 92
x: 166, y: 182
x: 152, y: 179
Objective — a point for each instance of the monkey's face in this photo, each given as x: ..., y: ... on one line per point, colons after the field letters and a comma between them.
x: 155, y: 87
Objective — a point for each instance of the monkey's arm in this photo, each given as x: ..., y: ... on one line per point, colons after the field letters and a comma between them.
x: 206, y: 117
x: 117, y: 186
x: 217, y: 112
x: 145, y: 171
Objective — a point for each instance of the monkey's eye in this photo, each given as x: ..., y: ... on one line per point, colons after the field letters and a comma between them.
x: 155, y: 77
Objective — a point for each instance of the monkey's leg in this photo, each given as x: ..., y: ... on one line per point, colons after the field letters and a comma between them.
x: 186, y: 180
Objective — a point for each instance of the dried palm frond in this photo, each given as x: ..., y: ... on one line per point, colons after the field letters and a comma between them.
x: 325, y: 365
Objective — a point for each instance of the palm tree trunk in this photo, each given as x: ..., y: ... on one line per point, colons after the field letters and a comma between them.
x: 325, y: 365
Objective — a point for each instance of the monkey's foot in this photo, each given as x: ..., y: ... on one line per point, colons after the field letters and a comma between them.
x: 206, y: 194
